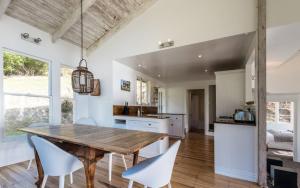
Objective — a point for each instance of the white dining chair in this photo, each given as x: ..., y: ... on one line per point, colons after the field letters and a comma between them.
x: 90, y: 121
x: 55, y: 161
x: 29, y: 138
x: 154, y: 172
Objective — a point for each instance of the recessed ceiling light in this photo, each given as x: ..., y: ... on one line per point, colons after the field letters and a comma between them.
x: 200, y: 56
x: 158, y: 75
x: 140, y: 65
x: 206, y: 70
x: 159, y: 42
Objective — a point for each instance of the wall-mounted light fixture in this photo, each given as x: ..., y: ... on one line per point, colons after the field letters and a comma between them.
x: 25, y: 36
x: 166, y: 44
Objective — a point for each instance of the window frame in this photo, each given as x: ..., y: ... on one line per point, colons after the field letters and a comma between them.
x: 141, y: 80
x: 277, y: 113
x: 3, y: 93
x: 60, y: 97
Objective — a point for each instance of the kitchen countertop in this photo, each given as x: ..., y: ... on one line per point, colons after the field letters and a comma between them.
x: 232, y: 122
x: 144, y: 116
x: 171, y: 114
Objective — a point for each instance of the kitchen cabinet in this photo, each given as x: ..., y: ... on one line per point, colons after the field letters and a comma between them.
x: 250, y: 79
x: 235, y: 150
x: 146, y: 124
x: 176, y: 126
x: 230, y: 91
x: 149, y: 126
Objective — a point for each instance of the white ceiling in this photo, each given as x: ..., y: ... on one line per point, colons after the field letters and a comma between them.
x: 183, y: 63
x: 283, y: 43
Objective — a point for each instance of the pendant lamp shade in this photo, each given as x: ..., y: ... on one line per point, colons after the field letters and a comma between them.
x: 82, y: 78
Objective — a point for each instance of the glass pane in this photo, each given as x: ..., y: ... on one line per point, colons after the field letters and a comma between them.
x: 271, y: 110
x: 144, y: 93
x: 66, y: 111
x: 21, y: 111
x: 285, y: 112
x: 24, y: 75
x: 138, y: 92
x: 66, y: 90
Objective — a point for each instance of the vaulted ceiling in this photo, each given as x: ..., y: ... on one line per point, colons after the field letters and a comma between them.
x: 61, y: 18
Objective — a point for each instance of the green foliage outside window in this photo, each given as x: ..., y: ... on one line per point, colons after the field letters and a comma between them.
x: 15, y: 64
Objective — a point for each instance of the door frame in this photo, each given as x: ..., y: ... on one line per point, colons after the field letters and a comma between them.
x: 189, y: 107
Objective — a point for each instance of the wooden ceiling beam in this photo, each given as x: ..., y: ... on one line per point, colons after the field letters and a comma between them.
x: 121, y: 24
x: 3, y: 6
x: 72, y: 19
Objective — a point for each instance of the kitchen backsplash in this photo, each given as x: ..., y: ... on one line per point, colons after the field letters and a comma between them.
x: 118, y: 110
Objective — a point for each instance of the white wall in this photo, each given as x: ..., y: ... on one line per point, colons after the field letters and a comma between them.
x: 230, y: 91
x: 185, y: 23
x: 177, y: 99
x: 123, y: 72
x: 284, y: 78
x: 282, y: 12
x: 58, y: 53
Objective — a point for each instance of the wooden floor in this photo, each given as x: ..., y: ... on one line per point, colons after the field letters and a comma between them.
x: 194, y: 168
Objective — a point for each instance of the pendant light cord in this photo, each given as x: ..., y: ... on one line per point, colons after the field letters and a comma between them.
x: 81, y: 25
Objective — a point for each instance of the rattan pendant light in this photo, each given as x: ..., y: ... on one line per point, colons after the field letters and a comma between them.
x: 82, y: 78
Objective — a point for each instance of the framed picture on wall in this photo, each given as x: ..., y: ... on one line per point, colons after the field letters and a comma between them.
x: 125, y: 85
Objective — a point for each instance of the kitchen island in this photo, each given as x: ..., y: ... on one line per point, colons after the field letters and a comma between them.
x: 157, y: 124
x: 236, y: 149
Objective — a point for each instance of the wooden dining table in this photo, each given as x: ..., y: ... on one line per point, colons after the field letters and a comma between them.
x: 90, y: 143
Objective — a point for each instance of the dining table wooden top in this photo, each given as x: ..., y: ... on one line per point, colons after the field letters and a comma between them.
x: 101, y: 138
x: 90, y: 143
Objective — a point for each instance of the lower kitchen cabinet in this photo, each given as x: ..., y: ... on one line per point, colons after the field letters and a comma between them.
x: 176, y: 126
x: 149, y: 125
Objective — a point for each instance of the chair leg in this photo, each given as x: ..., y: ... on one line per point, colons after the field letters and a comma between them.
x: 109, y: 166
x: 130, y: 184
x: 44, y: 181
x: 61, y: 181
x: 29, y: 164
x: 124, y: 161
x: 169, y: 185
x: 71, y: 178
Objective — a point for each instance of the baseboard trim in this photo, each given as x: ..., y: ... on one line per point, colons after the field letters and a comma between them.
x: 234, y: 173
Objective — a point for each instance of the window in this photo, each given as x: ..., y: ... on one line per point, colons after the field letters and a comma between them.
x: 280, y: 112
x: 66, y: 93
x: 141, y: 91
x: 26, y: 92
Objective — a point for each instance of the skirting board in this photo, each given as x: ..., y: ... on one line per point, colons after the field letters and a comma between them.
x: 243, y: 175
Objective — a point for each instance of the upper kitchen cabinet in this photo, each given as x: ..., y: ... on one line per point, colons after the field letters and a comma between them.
x: 250, y: 78
x: 230, y: 91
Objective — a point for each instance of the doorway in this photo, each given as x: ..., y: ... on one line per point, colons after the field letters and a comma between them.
x: 196, y: 110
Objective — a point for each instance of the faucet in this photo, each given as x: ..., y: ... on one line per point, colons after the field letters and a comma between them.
x: 140, y: 111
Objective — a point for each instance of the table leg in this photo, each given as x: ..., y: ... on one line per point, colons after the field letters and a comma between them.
x: 135, y: 157
x: 89, y: 162
x: 39, y: 167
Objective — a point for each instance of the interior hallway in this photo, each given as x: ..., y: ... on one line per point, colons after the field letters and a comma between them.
x: 194, y: 168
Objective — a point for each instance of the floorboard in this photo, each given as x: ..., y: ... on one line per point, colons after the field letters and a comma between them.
x: 194, y: 168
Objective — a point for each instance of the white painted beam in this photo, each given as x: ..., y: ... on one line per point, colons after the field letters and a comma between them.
x: 122, y: 24
x: 3, y: 6
x: 72, y: 19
